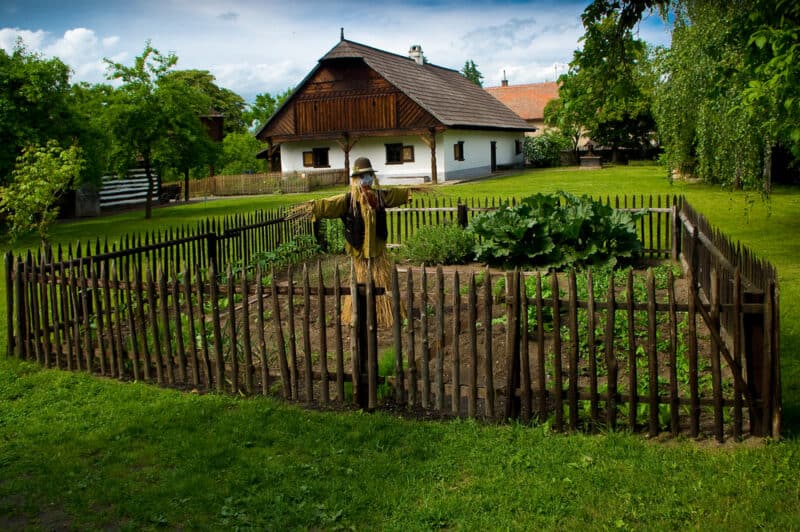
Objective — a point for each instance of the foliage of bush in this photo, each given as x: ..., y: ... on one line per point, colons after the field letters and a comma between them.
x: 545, y: 150
x: 555, y: 231
x: 295, y: 251
x: 334, y: 235
x: 439, y: 244
x: 40, y: 177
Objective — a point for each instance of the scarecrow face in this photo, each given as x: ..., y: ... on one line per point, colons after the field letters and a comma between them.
x: 367, y: 179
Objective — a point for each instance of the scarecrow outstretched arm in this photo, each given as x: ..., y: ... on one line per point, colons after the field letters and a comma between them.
x: 333, y: 207
x: 393, y: 197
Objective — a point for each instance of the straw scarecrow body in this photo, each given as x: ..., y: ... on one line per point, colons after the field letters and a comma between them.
x: 363, y: 212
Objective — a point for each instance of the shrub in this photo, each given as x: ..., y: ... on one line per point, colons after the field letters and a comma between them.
x: 439, y: 244
x: 295, y: 251
x: 545, y: 149
x: 555, y: 231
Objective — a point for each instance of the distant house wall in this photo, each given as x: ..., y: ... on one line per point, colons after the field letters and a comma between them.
x: 476, y: 163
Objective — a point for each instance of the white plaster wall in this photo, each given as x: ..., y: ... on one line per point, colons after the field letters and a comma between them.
x: 477, y: 152
x: 476, y: 163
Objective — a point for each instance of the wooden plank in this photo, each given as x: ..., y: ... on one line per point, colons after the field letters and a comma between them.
x: 59, y: 321
x: 194, y: 359
x: 399, y: 374
x: 355, y: 357
x: 152, y: 306
x: 337, y: 336
x: 262, y: 339
x: 372, y: 343
x: 116, y: 333
x: 674, y: 405
x: 306, y: 323
x: 472, y: 309
x: 45, y: 308
x: 558, y: 378
x: 180, y: 346
x: 201, y: 321
x: 456, y: 351
x: 163, y: 300
x: 541, y: 375
x: 525, y: 368
x: 8, y: 262
x: 219, y: 361
x: 439, y: 344
x: 652, y: 356
x: 737, y: 352
x: 33, y: 297
x: 512, y: 403
x: 633, y: 380
x: 610, y: 355
x: 323, y: 337
x: 67, y: 319
x: 694, y: 397
x: 88, y: 347
x: 105, y: 282
x: 716, y: 365
x: 412, y: 362
x: 247, y: 341
x: 232, y: 331
x: 487, y: 344
x: 573, y: 351
x: 100, y: 316
x: 292, y: 339
x: 139, y: 290
x: 279, y: 340
x: 423, y: 314
x: 591, y: 323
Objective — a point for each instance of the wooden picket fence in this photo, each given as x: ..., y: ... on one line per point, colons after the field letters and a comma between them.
x: 264, y: 183
x: 698, y: 355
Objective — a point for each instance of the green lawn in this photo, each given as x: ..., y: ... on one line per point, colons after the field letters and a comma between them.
x: 86, y: 453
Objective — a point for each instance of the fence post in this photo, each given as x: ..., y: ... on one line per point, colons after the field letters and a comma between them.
x: 513, y: 404
x: 461, y: 215
x: 676, y: 232
x: 359, y: 303
x: 211, y: 249
x: 9, y: 259
x: 754, y: 359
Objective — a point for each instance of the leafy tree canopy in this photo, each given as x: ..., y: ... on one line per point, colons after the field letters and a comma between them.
x: 264, y: 107
x: 33, y: 104
x: 218, y: 99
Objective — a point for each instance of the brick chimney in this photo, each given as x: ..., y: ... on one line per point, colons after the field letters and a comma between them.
x: 504, y: 81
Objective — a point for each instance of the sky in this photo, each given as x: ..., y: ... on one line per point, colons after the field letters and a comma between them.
x: 257, y: 46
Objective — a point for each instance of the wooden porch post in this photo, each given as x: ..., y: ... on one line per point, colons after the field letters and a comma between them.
x: 346, y: 143
x: 430, y: 139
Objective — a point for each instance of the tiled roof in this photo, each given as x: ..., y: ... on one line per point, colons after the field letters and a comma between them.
x: 446, y: 94
x: 527, y: 101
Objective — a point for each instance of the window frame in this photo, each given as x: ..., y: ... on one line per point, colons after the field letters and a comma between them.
x: 396, y: 150
x: 313, y: 158
x: 458, y: 150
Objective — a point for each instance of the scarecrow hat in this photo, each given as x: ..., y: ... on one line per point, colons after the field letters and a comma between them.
x: 361, y: 166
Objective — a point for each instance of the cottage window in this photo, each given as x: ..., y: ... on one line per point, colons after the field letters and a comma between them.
x: 316, y: 158
x: 399, y: 154
x: 394, y: 154
x: 458, y: 150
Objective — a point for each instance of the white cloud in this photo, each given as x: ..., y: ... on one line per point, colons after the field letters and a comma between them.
x: 32, y: 39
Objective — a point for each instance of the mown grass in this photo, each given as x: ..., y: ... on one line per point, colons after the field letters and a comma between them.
x: 87, y: 453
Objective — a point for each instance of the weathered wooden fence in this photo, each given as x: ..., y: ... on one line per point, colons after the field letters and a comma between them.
x: 693, y: 356
x: 264, y: 183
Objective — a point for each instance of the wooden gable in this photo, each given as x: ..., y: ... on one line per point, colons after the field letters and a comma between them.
x: 347, y: 96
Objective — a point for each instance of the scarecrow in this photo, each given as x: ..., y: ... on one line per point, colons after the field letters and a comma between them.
x: 363, y: 212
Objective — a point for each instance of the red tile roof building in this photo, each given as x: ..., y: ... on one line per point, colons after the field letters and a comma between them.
x: 528, y: 100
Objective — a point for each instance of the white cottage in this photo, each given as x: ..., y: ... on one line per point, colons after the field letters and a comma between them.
x: 415, y: 121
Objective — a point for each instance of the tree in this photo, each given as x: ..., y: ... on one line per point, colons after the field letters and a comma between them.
x: 609, y: 87
x: 152, y: 117
x: 219, y: 100
x: 89, y: 106
x: 40, y: 176
x: 471, y: 72
x: 733, y: 72
x: 264, y: 107
x: 239, y: 154
x: 33, y: 104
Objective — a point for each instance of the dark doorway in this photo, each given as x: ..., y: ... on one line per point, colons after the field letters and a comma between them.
x: 494, y: 156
